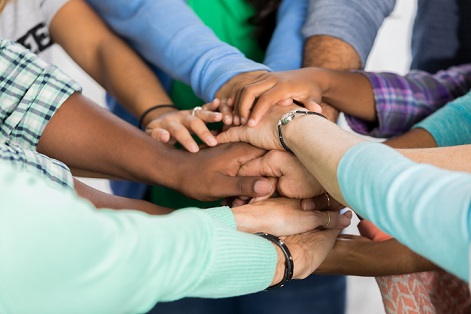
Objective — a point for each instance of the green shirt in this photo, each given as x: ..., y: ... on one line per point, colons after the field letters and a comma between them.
x: 230, y: 22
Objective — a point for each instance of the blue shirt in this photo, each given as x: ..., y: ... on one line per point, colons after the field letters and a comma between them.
x: 426, y: 208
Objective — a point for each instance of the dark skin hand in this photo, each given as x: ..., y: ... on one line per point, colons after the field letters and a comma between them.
x: 92, y: 141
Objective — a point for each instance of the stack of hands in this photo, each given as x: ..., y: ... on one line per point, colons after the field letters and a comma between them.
x: 292, y: 204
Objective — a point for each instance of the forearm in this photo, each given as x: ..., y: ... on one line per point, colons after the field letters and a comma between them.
x: 154, y: 258
x: 106, y: 58
x: 454, y: 158
x: 100, y: 199
x: 329, y: 52
x: 349, y: 25
x: 87, y: 137
x: 171, y: 27
x: 321, y: 162
x: 369, y: 258
x: 387, y: 192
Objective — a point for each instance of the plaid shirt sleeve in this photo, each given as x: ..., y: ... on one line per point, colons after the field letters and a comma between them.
x: 31, y: 91
x: 402, y: 101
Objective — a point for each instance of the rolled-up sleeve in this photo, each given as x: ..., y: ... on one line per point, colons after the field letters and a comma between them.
x: 353, y: 21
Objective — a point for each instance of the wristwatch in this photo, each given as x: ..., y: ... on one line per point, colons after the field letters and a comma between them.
x: 287, y: 118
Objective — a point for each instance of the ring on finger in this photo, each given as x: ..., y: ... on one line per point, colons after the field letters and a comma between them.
x: 328, y: 220
x: 328, y: 199
x: 197, y: 108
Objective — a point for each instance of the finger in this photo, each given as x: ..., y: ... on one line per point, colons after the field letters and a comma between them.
x: 208, y: 116
x: 199, y: 128
x: 370, y: 231
x: 256, y: 167
x: 160, y: 135
x: 321, y: 202
x: 247, y: 98
x: 274, y: 182
x: 226, y: 112
x: 311, y: 105
x: 247, y: 186
x: 265, y: 101
x: 333, y: 220
x: 213, y: 105
x: 234, y: 134
x: 183, y: 136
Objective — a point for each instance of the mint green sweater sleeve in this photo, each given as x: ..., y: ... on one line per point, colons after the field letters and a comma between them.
x: 424, y: 207
x: 451, y: 125
x: 60, y: 255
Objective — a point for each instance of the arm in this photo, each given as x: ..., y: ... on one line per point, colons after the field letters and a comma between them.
x: 106, y: 58
x: 439, y: 129
x: 284, y: 51
x: 159, y: 29
x: 386, y: 189
x: 350, y: 26
x: 196, y: 256
x: 123, y: 74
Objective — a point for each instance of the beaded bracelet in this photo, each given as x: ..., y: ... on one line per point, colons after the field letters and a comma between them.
x: 289, y: 263
x: 141, y: 119
x: 287, y: 118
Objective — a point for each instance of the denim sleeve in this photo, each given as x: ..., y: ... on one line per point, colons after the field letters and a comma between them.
x: 285, y: 50
x: 451, y: 125
x: 353, y: 21
x: 169, y: 35
x: 424, y: 207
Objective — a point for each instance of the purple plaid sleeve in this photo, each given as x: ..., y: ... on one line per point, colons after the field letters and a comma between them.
x: 402, y: 101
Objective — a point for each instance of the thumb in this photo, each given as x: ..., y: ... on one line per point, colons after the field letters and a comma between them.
x: 231, y: 135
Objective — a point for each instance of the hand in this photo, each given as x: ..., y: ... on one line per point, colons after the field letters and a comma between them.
x: 294, y: 180
x: 179, y: 125
x: 306, y: 86
x: 264, y: 135
x: 228, y: 92
x: 211, y: 173
x: 284, y: 216
x: 308, y: 250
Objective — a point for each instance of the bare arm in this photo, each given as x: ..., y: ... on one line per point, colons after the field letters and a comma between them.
x: 359, y: 256
x: 91, y: 139
x: 106, y: 58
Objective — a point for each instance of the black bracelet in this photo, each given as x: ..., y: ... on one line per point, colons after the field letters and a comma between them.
x: 289, y: 263
x: 289, y: 117
x: 141, y: 119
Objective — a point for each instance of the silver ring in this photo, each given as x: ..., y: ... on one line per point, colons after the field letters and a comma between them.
x: 328, y: 222
x: 328, y: 199
x: 197, y: 108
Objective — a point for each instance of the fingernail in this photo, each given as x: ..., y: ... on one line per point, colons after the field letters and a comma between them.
x: 308, y: 204
x: 194, y: 148
x: 344, y: 221
x: 243, y: 120
x: 211, y: 141
x: 227, y: 120
x: 251, y: 123
x: 262, y: 187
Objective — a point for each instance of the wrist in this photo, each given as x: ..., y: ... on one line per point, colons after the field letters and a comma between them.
x: 155, y: 112
x: 280, y: 267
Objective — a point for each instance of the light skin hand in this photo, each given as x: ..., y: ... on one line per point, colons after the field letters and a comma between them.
x: 308, y: 250
x: 265, y: 135
x: 294, y: 180
x: 283, y: 216
x: 228, y: 92
x: 177, y: 125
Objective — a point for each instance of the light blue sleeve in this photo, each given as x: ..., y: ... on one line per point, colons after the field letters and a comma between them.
x: 424, y: 207
x: 60, y: 255
x: 169, y: 35
x: 451, y: 125
x: 285, y: 50
x: 354, y: 21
